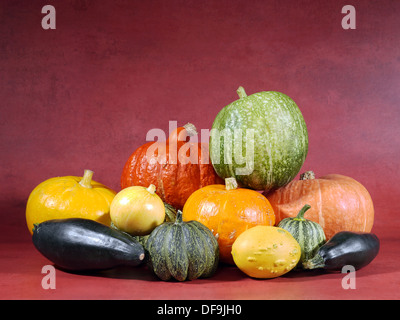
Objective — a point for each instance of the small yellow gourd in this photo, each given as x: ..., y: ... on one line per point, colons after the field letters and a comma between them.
x: 265, y: 252
x: 69, y: 197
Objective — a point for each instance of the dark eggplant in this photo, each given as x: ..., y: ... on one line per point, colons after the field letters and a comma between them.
x: 80, y: 244
x: 345, y: 248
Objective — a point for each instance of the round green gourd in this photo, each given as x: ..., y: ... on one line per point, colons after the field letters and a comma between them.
x: 182, y: 250
x: 308, y: 234
x: 271, y: 153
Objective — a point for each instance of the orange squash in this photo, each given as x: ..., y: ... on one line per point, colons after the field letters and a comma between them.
x: 338, y: 203
x: 177, y: 167
x: 228, y: 211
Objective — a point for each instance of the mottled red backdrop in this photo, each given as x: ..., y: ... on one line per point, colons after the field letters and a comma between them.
x: 85, y: 94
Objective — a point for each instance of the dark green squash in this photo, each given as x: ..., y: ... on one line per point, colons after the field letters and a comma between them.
x: 308, y: 234
x: 78, y: 244
x: 182, y: 250
x: 356, y: 249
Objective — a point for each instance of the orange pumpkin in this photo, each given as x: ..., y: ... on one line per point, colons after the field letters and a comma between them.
x: 338, y: 203
x: 228, y: 211
x: 177, y: 167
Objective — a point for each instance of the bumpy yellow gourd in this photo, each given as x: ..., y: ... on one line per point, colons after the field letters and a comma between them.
x: 69, y: 197
x: 265, y: 252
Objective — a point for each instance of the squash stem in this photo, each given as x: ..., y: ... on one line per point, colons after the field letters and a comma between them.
x: 86, y: 181
x: 316, y: 262
x: 230, y: 183
x: 241, y: 93
x: 151, y: 189
x: 308, y: 175
x: 190, y: 129
x: 178, y: 217
x: 300, y: 215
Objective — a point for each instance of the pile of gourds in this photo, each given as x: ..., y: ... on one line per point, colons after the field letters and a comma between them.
x: 184, y: 212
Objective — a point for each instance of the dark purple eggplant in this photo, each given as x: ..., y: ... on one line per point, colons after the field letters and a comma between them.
x: 80, y: 244
x: 345, y: 248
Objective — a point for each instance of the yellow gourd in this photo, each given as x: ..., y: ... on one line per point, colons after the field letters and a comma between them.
x: 265, y: 252
x: 69, y: 197
x: 137, y: 210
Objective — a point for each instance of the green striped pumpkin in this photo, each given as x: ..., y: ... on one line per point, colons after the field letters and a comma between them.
x: 260, y: 139
x: 308, y: 234
x: 182, y: 250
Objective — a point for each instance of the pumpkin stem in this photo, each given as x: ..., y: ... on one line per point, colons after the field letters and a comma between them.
x: 86, y: 181
x: 230, y: 183
x: 308, y: 175
x: 151, y: 188
x: 190, y: 129
x: 240, y: 91
x: 178, y: 217
x: 300, y: 215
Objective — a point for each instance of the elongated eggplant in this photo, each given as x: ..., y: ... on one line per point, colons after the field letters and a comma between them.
x: 345, y: 248
x: 81, y: 244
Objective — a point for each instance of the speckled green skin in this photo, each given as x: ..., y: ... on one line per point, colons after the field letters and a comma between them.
x: 280, y: 143
x: 182, y: 250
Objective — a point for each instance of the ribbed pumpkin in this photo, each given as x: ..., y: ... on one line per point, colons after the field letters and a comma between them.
x: 182, y: 250
x: 307, y: 233
x: 338, y: 203
x: 176, y: 167
x: 228, y: 211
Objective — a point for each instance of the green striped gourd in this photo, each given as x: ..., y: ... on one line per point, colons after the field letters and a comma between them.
x: 308, y: 234
x: 260, y: 139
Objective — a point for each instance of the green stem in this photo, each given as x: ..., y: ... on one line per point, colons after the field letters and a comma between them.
x: 170, y: 212
x: 240, y: 91
x: 316, y: 262
x: 230, y: 183
x: 86, y: 181
x: 300, y: 215
x: 178, y: 217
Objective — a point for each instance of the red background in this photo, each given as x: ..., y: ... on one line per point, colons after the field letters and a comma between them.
x: 83, y: 96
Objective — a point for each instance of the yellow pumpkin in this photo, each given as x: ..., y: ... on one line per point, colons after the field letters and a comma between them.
x: 137, y: 210
x: 265, y: 252
x: 69, y: 197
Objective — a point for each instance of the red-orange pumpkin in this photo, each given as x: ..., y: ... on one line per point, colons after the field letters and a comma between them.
x: 177, y: 167
x: 338, y: 203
